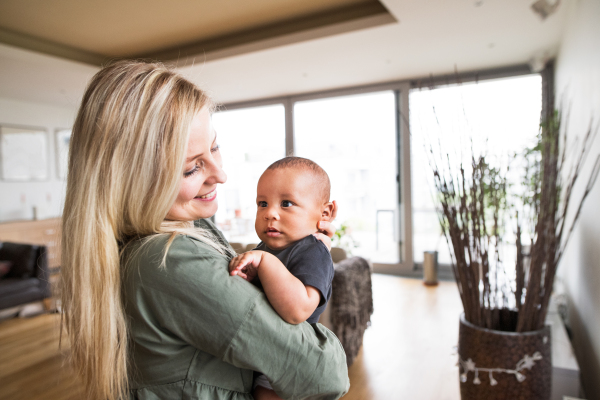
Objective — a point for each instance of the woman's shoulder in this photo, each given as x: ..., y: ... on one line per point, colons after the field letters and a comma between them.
x: 153, y: 246
x: 185, y: 256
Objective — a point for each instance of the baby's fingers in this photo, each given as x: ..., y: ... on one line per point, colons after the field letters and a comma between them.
x: 236, y: 265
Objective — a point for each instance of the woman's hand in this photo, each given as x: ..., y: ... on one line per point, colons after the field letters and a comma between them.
x: 246, y: 264
x: 326, y: 229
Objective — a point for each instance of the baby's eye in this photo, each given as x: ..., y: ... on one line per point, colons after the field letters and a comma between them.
x: 286, y: 203
x: 262, y: 203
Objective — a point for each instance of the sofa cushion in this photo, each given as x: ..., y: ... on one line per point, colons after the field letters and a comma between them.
x: 23, y: 258
x: 28, y: 291
x: 5, y: 268
x: 10, y: 286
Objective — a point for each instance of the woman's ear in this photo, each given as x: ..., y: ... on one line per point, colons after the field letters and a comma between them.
x: 327, y: 213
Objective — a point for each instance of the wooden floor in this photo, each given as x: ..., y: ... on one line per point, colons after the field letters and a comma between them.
x: 408, y: 352
x: 31, y: 364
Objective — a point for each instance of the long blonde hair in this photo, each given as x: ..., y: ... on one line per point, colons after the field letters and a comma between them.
x: 125, y: 165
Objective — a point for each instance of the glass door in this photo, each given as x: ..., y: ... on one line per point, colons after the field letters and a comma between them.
x: 497, y: 118
x: 354, y: 139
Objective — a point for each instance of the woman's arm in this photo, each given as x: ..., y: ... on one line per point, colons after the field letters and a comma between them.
x: 195, y: 299
x: 293, y: 301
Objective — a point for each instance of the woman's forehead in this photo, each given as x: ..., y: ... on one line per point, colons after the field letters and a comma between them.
x: 202, y: 134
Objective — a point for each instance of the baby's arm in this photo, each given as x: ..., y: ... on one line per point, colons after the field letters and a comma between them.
x: 293, y: 301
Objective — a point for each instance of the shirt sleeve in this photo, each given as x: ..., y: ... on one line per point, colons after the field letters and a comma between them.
x: 195, y: 299
x: 311, y: 263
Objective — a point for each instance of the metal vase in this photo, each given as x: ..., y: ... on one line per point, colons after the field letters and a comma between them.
x: 504, y: 365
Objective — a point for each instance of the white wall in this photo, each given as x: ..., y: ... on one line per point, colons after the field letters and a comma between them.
x: 17, y: 199
x: 578, y: 90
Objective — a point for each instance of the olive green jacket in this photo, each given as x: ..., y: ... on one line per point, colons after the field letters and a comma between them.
x: 198, y: 333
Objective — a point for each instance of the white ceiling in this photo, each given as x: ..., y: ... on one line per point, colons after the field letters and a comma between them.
x: 431, y: 37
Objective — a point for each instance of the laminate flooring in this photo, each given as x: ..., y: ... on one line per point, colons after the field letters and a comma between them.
x: 32, y: 366
x: 408, y: 351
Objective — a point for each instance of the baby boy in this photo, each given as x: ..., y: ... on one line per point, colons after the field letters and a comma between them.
x: 291, y: 265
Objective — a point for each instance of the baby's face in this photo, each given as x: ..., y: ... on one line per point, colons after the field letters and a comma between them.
x: 288, y: 207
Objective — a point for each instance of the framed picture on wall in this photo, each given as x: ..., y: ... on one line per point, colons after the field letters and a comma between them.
x: 63, y: 138
x: 23, y: 154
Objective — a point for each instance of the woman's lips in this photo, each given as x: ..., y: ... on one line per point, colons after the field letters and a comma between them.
x: 208, y: 196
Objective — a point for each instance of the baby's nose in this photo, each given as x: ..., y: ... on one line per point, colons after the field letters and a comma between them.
x: 271, y: 213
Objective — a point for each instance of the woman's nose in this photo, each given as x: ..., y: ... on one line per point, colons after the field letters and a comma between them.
x: 217, y: 175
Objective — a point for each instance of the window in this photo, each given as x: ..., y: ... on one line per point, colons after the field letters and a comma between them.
x: 251, y: 139
x: 354, y: 139
x: 500, y: 117
x: 379, y: 172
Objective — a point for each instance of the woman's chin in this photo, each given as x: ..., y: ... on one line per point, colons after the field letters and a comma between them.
x: 198, y: 211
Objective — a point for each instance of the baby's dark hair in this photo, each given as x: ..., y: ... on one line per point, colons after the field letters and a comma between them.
x: 322, y: 183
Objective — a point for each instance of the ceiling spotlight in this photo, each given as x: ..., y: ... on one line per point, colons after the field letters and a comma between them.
x: 544, y: 8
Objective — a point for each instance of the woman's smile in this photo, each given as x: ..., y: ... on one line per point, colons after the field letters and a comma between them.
x: 210, y: 196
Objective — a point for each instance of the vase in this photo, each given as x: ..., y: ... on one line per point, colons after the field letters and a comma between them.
x: 496, y: 364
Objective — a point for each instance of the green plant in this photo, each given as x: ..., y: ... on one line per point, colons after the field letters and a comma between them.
x: 343, y: 238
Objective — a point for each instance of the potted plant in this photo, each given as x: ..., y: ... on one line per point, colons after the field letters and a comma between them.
x: 343, y: 239
x: 504, y: 345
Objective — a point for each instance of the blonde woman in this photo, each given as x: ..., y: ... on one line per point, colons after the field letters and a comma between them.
x: 149, y: 307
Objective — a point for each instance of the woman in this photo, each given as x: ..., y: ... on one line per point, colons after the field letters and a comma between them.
x: 149, y: 306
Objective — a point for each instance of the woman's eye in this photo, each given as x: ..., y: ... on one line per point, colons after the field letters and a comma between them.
x: 216, y: 148
x: 286, y: 203
x: 262, y: 203
x: 191, y: 172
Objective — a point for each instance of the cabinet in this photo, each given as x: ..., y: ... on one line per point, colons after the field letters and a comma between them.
x: 43, y: 232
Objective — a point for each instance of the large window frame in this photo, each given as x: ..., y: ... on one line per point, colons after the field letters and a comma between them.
x: 401, y: 89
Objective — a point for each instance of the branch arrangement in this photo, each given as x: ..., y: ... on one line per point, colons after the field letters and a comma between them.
x: 474, y: 213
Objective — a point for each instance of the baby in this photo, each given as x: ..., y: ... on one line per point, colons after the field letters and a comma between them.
x: 291, y: 265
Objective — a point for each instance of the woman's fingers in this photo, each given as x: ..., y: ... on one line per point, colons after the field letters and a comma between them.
x: 326, y: 228
x: 323, y: 238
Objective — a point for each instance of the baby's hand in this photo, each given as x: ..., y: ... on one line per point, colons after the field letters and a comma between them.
x: 246, y: 265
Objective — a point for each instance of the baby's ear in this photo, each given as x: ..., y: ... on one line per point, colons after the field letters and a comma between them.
x: 327, y: 211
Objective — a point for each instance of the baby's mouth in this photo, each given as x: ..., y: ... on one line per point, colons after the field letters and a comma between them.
x: 272, y: 232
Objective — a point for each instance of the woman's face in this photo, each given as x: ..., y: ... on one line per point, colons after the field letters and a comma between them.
x: 202, y: 172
